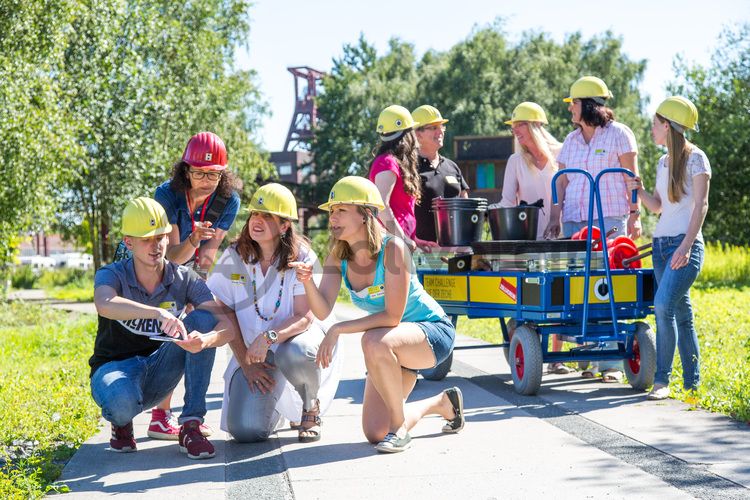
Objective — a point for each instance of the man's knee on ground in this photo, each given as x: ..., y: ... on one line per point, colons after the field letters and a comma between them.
x: 200, y: 320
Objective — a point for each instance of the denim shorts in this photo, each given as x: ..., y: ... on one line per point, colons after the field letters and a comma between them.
x: 441, y: 335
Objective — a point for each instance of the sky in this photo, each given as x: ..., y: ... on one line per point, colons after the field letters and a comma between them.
x: 313, y: 33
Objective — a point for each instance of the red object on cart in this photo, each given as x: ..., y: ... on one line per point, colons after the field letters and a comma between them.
x: 621, y: 252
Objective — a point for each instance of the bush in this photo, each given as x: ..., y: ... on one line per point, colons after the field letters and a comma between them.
x: 65, y: 276
x: 23, y: 277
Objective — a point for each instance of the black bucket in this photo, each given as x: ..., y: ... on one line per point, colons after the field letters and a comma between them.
x: 459, y: 221
x: 514, y: 223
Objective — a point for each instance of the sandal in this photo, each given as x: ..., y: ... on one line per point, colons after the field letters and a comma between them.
x: 312, y: 433
x: 612, y: 376
x: 457, y: 401
x: 559, y: 369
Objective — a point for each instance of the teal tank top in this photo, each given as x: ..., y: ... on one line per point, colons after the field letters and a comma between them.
x: 420, y: 306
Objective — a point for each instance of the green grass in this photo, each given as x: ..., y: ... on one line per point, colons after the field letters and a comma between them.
x: 722, y: 320
x: 45, y: 401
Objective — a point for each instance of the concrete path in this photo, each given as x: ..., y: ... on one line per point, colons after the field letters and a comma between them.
x: 575, y: 439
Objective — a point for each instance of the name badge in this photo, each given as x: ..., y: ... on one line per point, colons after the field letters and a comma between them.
x: 376, y: 291
x: 600, y: 152
x: 451, y: 179
x: 238, y: 279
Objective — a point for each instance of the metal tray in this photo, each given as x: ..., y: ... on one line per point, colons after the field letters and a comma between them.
x: 515, y: 247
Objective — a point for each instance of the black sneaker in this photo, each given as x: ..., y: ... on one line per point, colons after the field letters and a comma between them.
x: 457, y: 401
x: 391, y: 443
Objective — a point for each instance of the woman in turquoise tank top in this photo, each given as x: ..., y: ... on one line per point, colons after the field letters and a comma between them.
x: 405, y: 330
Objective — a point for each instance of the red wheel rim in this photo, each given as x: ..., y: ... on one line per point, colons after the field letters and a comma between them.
x: 635, y: 361
x: 519, y: 360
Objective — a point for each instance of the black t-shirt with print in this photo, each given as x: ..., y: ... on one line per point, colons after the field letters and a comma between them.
x: 445, y: 180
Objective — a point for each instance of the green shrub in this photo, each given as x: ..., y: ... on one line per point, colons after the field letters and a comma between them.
x: 65, y: 276
x: 23, y: 277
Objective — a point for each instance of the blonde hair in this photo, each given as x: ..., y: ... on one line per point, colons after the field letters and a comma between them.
x: 341, y: 249
x: 544, y: 141
x: 678, y: 151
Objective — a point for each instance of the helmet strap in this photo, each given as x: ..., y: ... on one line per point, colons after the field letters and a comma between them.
x: 679, y: 128
x: 391, y: 137
x: 601, y: 101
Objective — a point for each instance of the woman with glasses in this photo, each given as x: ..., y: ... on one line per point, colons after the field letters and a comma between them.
x: 201, y: 202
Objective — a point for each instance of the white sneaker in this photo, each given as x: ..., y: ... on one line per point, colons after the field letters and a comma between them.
x: 658, y: 393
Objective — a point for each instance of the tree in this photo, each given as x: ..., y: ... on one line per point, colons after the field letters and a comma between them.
x: 359, y: 86
x: 35, y: 128
x: 721, y: 93
x: 140, y: 77
x: 476, y: 84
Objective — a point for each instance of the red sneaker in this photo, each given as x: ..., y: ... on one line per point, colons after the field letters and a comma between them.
x: 193, y: 442
x: 122, y: 440
x: 163, y: 425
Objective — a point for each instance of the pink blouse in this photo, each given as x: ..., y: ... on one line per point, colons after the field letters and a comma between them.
x: 402, y: 204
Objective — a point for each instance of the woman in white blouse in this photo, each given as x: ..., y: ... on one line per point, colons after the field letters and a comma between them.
x: 681, y: 197
x: 272, y: 372
x: 528, y: 177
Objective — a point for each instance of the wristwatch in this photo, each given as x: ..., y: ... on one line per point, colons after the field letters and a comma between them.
x: 271, y: 337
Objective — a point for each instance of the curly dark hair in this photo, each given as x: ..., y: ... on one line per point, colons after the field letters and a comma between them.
x: 595, y: 115
x: 181, y: 180
x: 406, y: 151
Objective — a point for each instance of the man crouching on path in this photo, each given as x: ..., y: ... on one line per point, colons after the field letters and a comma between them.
x: 142, y: 347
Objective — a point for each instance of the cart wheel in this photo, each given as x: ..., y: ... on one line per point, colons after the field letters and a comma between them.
x: 641, y: 368
x: 526, y: 361
x: 440, y: 371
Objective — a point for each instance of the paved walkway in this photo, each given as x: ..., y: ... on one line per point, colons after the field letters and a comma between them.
x: 575, y: 439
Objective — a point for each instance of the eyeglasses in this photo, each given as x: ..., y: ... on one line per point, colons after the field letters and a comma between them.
x: 200, y: 174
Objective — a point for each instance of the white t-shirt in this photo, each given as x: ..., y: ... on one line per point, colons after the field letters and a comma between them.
x: 231, y: 282
x: 675, y: 217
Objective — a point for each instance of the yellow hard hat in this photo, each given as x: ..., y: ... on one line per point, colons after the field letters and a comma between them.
x: 527, y: 112
x: 395, y: 118
x: 273, y: 198
x: 428, y: 115
x: 588, y: 87
x: 354, y: 190
x: 144, y: 217
x: 679, y: 110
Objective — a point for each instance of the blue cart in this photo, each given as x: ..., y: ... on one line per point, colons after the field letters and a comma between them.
x: 588, y: 307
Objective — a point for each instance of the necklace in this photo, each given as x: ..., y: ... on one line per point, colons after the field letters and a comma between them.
x: 278, y: 299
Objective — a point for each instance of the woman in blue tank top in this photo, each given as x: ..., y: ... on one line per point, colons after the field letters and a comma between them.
x: 405, y: 330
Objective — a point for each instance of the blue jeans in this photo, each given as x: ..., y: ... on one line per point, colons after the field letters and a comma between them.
x: 674, y: 314
x: 124, y: 388
x: 621, y: 223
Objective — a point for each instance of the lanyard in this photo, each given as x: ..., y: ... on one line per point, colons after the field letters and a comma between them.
x: 192, y: 218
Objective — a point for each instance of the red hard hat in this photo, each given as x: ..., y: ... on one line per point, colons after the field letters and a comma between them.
x: 206, y: 150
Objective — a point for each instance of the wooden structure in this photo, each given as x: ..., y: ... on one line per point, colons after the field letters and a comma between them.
x: 482, y: 161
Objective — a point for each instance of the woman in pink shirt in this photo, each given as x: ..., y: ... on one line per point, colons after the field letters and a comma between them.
x: 394, y: 171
